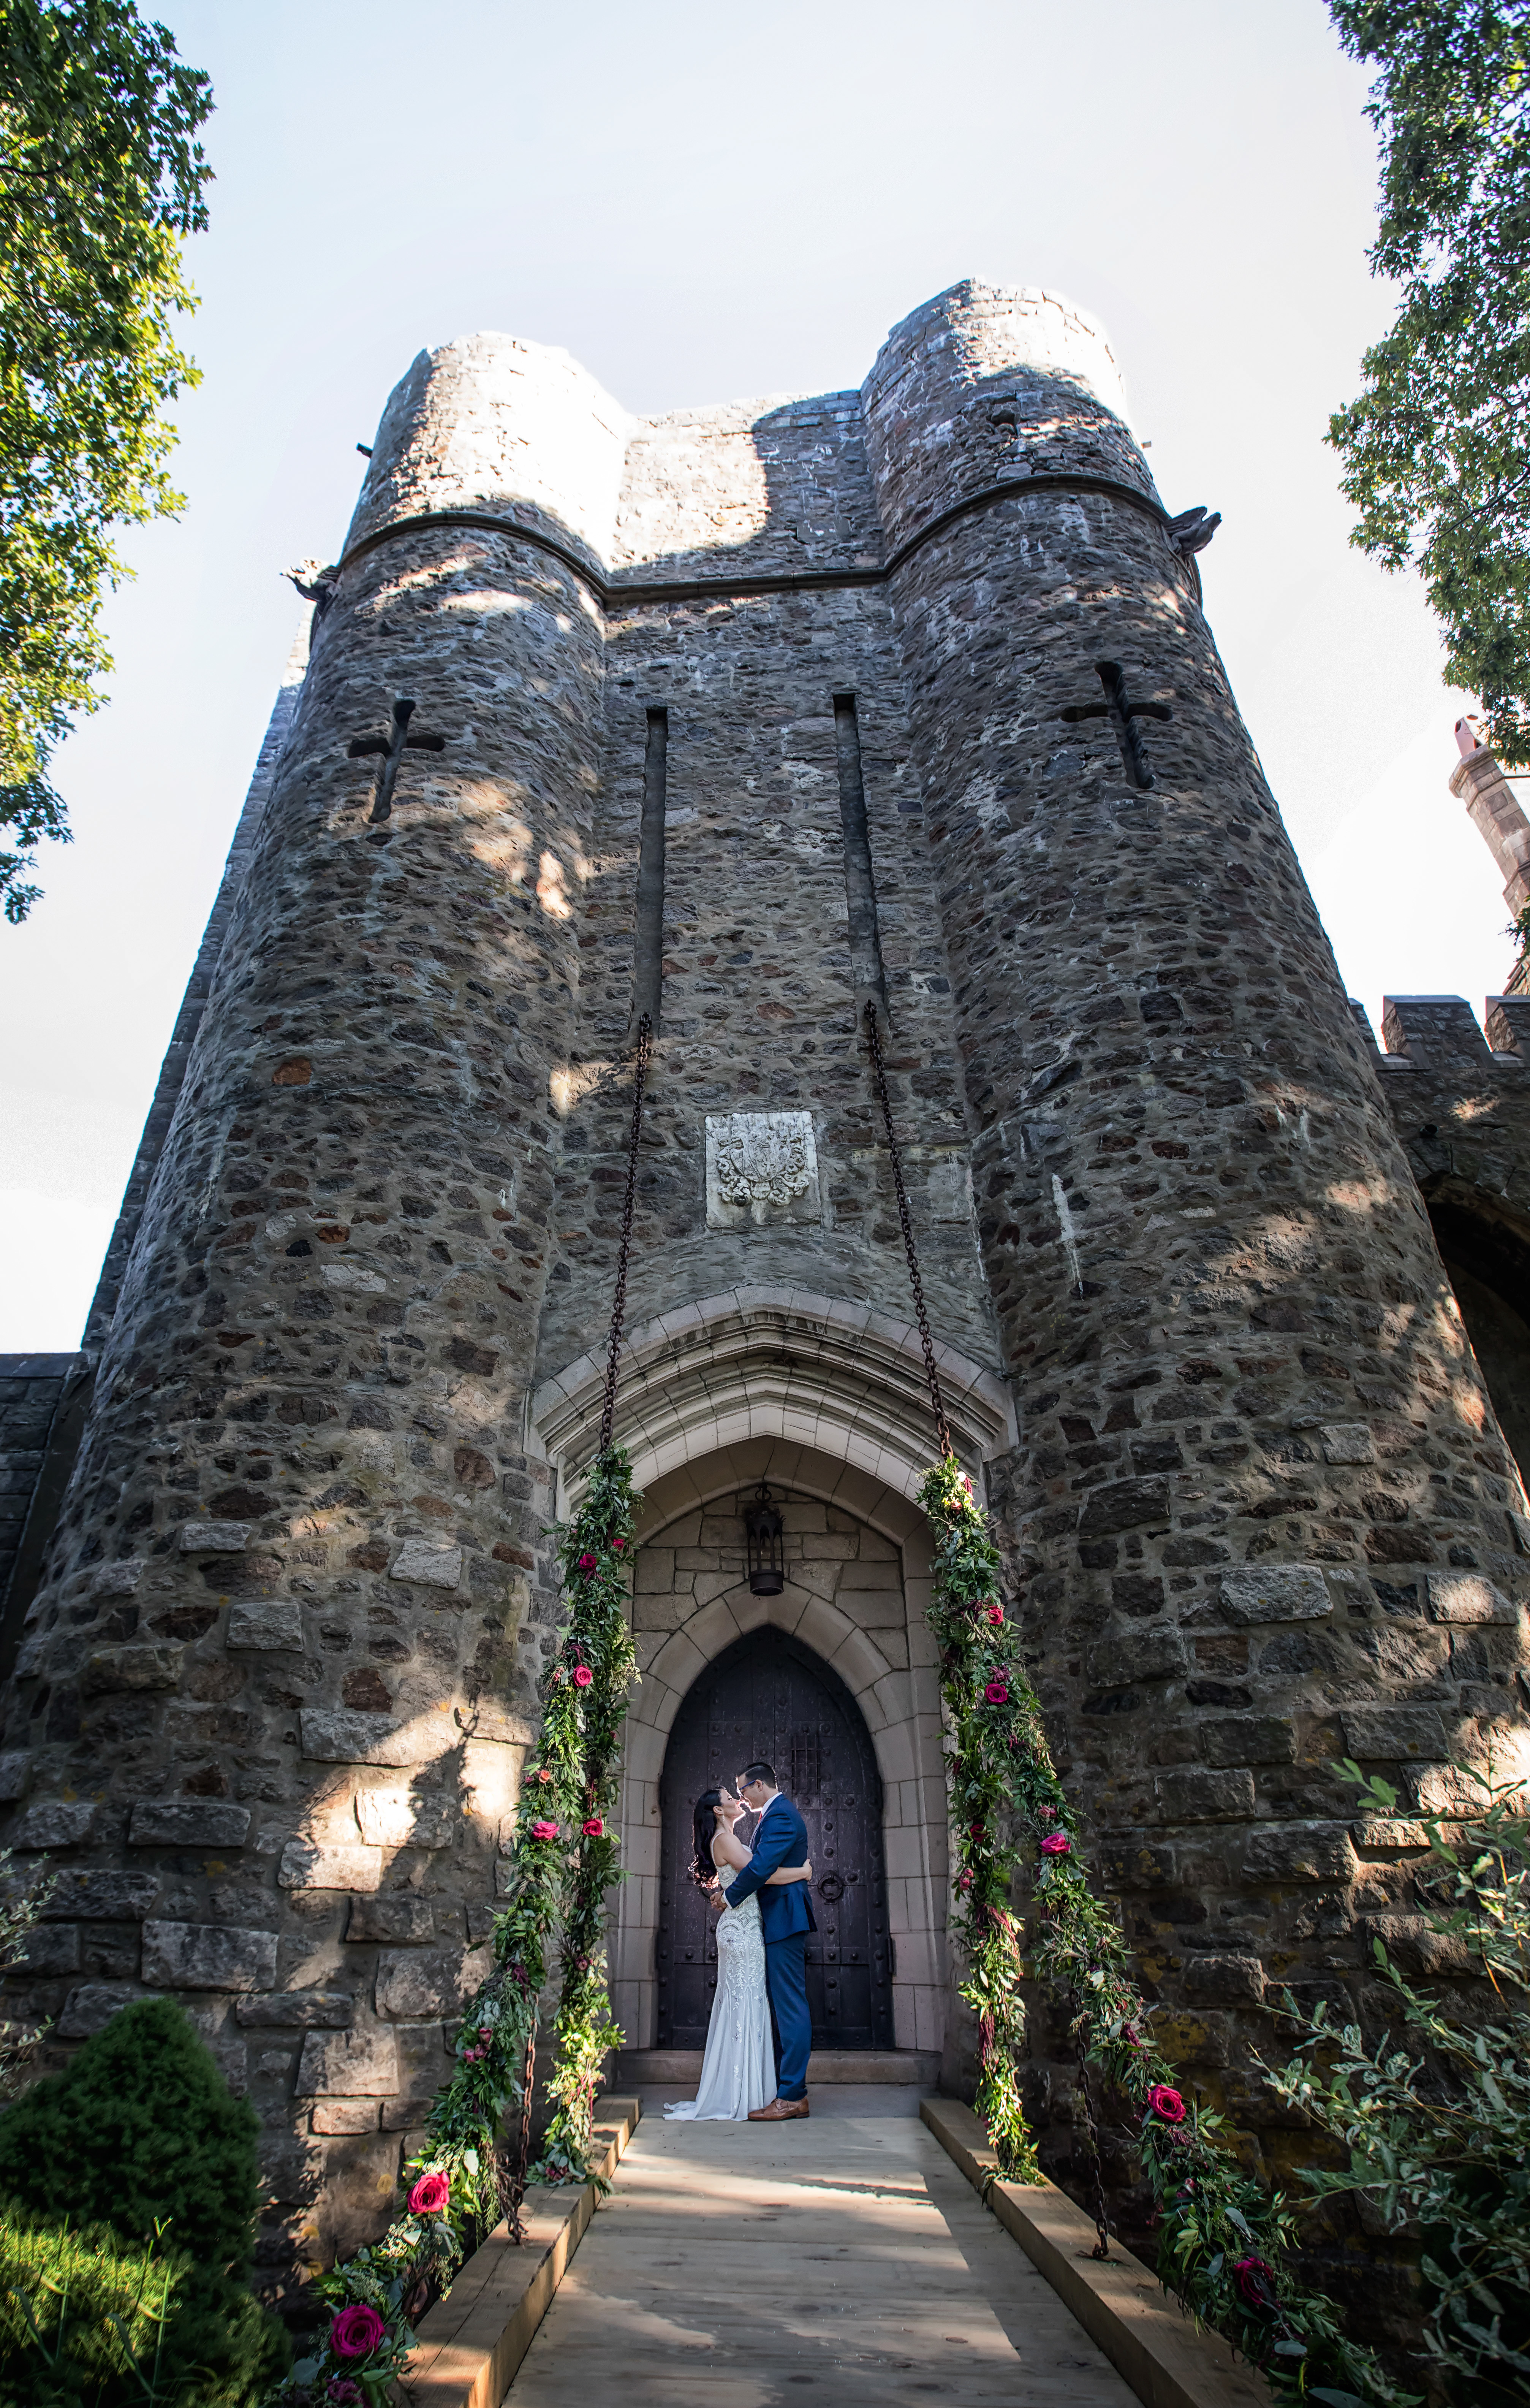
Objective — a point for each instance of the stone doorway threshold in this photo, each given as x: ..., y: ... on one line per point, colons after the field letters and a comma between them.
x: 850, y: 2254
x: 640, y: 2069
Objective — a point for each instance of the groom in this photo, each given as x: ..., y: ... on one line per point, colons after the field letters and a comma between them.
x: 786, y: 1914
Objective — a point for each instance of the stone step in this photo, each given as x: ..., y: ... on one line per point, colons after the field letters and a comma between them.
x: 682, y: 2066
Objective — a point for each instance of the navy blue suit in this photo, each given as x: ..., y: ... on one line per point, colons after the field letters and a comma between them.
x: 786, y: 1916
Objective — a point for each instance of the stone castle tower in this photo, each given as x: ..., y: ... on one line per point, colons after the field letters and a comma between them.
x: 745, y: 715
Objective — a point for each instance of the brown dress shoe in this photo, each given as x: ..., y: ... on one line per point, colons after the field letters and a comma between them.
x: 781, y: 2111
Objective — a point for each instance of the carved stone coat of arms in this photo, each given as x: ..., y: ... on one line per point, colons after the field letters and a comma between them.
x: 761, y: 1166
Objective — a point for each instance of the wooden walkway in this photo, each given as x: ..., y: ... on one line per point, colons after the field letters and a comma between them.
x: 758, y: 2266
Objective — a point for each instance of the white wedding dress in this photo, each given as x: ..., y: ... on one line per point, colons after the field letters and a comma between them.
x: 738, y: 2069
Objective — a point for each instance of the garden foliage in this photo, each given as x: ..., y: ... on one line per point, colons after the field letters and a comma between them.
x: 142, y: 2134
x: 1433, y: 2115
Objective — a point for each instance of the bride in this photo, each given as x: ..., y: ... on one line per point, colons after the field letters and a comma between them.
x: 738, y: 2069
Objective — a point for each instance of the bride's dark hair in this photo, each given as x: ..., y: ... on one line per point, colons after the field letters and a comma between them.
x: 702, y: 1871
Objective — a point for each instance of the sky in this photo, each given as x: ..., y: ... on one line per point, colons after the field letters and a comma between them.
x: 703, y: 201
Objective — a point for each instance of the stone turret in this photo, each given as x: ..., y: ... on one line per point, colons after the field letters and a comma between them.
x: 1260, y: 1498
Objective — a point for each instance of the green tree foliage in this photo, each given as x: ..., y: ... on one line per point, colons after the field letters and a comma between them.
x: 100, y: 177
x: 1433, y: 2115
x: 1437, y: 446
x: 141, y: 2133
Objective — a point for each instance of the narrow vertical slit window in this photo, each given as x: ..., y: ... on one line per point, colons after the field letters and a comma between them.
x: 865, y: 952
x: 648, y: 944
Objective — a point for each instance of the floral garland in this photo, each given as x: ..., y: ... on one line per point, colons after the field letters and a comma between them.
x: 565, y: 1856
x: 1224, y: 2239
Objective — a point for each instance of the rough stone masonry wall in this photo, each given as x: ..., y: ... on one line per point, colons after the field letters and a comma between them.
x: 758, y: 1013
x: 274, y: 1696
x: 1261, y: 1503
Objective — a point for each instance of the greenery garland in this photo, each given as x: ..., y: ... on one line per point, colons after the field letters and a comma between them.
x: 1225, y: 2241
x: 565, y: 1858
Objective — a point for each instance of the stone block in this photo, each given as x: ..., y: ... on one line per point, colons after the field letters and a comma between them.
x: 187, y: 1823
x: 391, y: 1818
x: 209, y: 1956
x: 1348, y: 1442
x: 90, y: 2006
x: 1123, y: 1505
x: 1136, y: 1860
x: 1385, y: 1734
x: 1141, y: 1655
x: 53, y: 1822
x: 297, y: 2011
x: 51, y: 1948
x: 115, y: 1580
x: 1195, y: 1794
x: 413, y: 1986
x: 136, y: 1665
x: 1467, y: 1597
x: 426, y: 1560
x: 355, y: 1276
x: 100, y: 1897
x: 1309, y: 1852
x: 1247, y: 1738
x: 338, y: 1735
x: 1274, y: 1592
x: 401, y: 1922
x: 348, y: 2064
x: 214, y: 1538
x: 1388, y: 1831
x: 306, y: 1865
x: 265, y: 1623
x: 15, y: 1774
x: 344, y: 2115
x: 1224, y: 1981
x: 1188, y: 2039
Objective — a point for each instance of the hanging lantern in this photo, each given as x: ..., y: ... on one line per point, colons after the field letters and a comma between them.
x: 762, y: 1530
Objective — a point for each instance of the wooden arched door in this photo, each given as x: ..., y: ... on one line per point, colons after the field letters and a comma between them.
x: 768, y: 1695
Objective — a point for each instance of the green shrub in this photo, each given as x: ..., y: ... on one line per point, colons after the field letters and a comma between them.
x: 82, y: 2314
x: 142, y: 2134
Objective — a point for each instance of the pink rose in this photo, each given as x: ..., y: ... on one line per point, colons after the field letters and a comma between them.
x: 1054, y: 1844
x: 595, y: 1829
x: 997, y: 1693
x: 975, y: 1830
x: 618, y: 1544
x: 430, y: 2195
x: 486, y: 2031
x: 544, y: 1830
x: 582, y: 1676
x: 1167, y: 2104
x: 356, y: 2332
x: 996, y: 1614
x: 587, y: 1563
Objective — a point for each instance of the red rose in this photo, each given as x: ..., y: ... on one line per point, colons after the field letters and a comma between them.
x: 544, y: 1775
x: 582, y: 1676
x: 997, y: 1693
x: 430, y: 2195
x: 587, y: 1563
x: 1167, y: 2104
x: 618, y: 1544
x: 595, y: 1829
x: 1055, y: 1845
x: 996, y: 1613
x: 1255, y: 2280
x: 976, y: 1830
x: 544, y: 1830
x: 356, y: 2332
